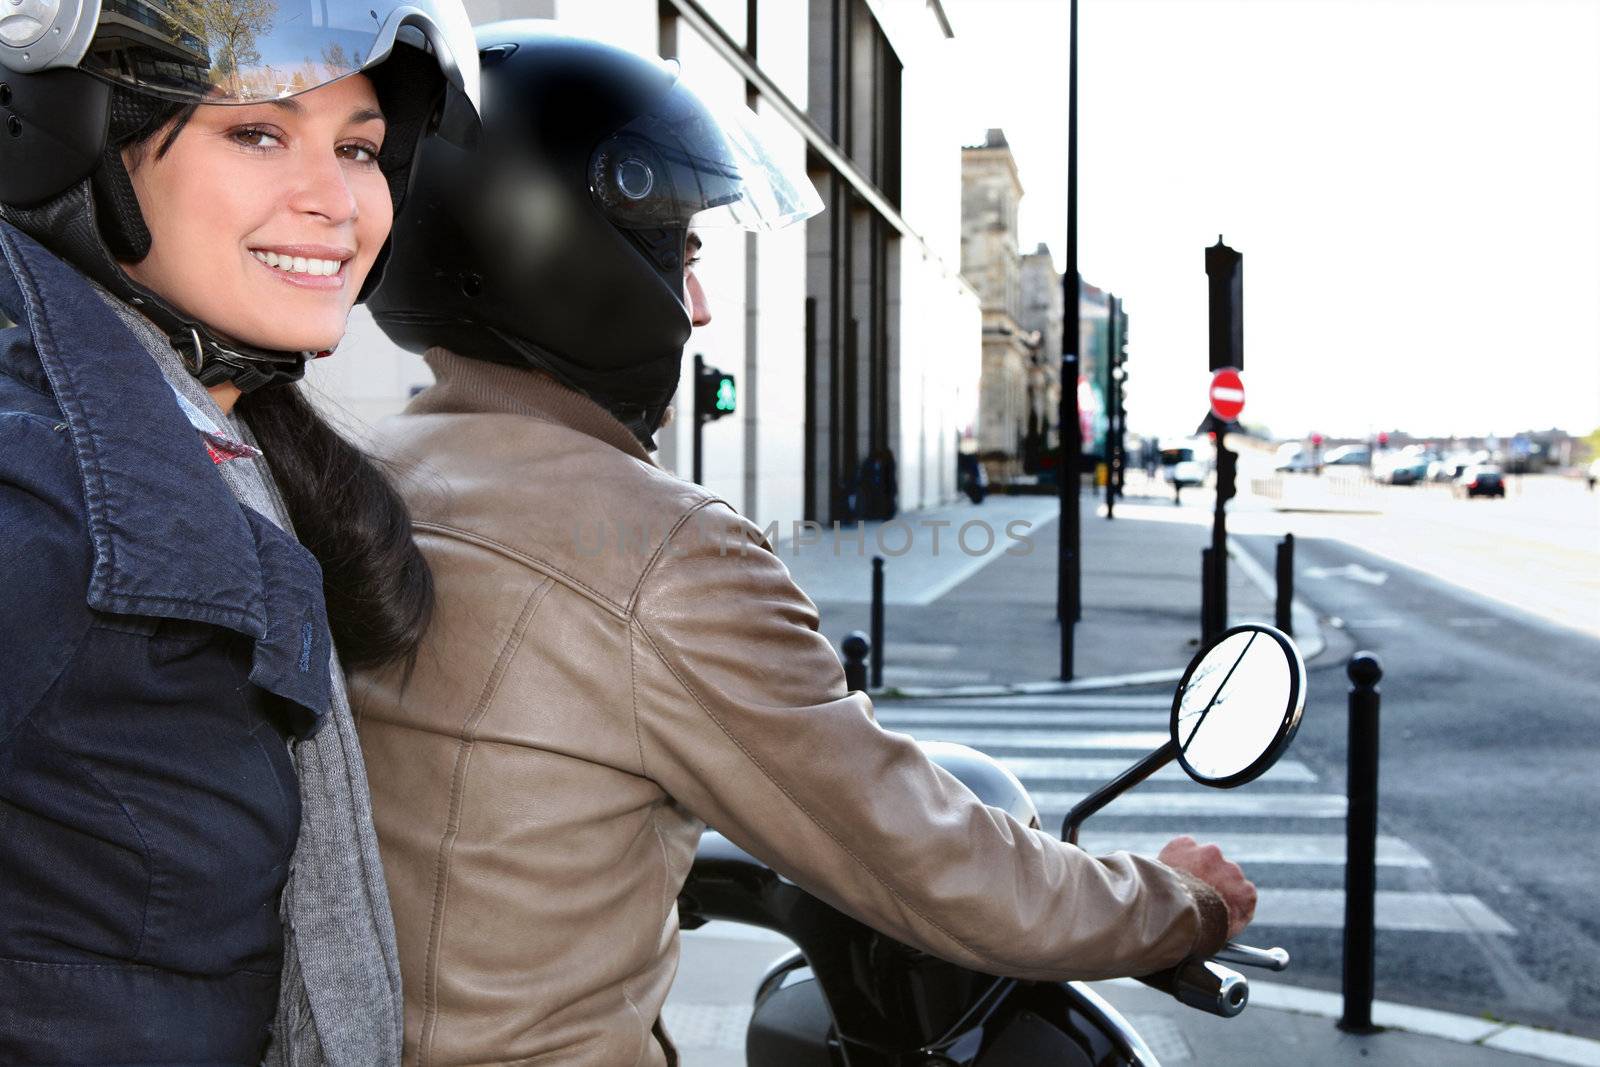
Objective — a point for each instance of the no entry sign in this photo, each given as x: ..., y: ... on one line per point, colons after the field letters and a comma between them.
x: 1227, y: 394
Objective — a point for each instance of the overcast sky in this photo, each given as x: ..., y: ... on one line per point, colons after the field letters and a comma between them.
x: 1414, y: 184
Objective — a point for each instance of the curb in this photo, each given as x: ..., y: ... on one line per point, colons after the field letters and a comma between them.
x: 1307, y: 634
x: 1513, y: 1038
x: 1167, y: 676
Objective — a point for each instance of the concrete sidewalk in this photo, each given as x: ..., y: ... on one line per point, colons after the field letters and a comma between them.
x: 709, y: 1010
x: 970, y: 592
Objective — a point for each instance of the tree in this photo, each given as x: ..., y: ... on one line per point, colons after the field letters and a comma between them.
x: 230, y: 29
x: 1592, y: 442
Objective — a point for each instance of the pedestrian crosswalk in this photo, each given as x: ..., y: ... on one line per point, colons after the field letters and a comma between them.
x: 1286, y: 828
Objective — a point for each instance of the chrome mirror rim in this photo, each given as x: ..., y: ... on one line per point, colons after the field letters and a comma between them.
x: 1286, y: 729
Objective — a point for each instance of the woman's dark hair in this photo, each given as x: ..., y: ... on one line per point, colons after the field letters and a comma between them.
x: 377, y: 585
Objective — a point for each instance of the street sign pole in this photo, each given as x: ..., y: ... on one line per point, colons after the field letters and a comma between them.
x: 1111, y: 409
x: 1225, y: 278
x: 1068, y: 564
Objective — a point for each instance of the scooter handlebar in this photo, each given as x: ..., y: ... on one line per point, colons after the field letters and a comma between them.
x: 1205, y: 985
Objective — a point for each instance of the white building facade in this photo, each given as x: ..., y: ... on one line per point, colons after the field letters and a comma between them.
x: 850, y: 334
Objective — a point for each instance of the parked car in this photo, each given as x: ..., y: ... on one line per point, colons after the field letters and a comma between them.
x: 1481, y: 481
x: 1407, y: 473
x: 1292, y: 457
x: 1348, y: 456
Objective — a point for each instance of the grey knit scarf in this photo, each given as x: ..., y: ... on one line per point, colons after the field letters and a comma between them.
x: 339, y: 999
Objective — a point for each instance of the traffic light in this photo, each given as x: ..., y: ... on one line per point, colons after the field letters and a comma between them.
x: 1227, y: 472
x: 1225, y: 274
x: 715, y: 393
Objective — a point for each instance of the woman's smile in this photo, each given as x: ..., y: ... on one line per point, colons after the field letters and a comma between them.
x: 315, y: 267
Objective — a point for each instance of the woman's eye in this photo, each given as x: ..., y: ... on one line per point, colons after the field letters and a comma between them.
x: 251, y: 137
x: 359, y: 153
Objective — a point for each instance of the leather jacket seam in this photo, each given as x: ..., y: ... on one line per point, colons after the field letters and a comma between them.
x: 633, y: 694
x: 872, y: 872
x: 458, y: 781
x: 661, y: 549
x: 517, y: 556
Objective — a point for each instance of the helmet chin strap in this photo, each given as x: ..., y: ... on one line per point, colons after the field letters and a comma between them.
x: 66, y: 225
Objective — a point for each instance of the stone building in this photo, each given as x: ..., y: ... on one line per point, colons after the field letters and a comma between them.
x: 990, y: 193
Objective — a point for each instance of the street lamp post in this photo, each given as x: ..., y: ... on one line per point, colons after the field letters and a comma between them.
x: 1069, y: 571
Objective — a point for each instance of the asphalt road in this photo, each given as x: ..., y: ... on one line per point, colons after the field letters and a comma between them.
x: 1490, y: 744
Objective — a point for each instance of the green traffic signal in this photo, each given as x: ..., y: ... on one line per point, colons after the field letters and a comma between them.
x: 726, y: 396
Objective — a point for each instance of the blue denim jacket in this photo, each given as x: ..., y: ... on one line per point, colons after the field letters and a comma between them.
x: 158, y: 644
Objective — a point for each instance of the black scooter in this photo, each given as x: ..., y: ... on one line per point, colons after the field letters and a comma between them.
x: 852, y: 997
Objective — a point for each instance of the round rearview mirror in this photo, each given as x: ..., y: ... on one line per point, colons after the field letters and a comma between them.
x: 1238, y: 706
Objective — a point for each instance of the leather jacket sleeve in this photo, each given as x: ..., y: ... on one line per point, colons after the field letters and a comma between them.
x: 742, y: 715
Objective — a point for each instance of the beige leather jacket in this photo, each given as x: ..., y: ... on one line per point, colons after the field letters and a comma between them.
x: 581, y: 709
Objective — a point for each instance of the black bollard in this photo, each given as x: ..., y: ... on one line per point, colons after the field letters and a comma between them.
x: 855, y: 646
x: 1361, y: 844
x: 1285, y: 616
x: 877, y: 622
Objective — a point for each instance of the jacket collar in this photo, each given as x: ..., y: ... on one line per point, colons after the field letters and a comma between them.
x: 169, y: 538
x: 474, y: 385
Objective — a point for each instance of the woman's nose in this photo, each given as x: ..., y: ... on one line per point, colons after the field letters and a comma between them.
x: 323, y: 188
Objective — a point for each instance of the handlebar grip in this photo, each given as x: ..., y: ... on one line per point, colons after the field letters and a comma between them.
x: 1203, y: 985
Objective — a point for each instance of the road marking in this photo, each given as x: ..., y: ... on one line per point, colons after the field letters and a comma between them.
x: 1375, y: 624
x: 1190, y: 805
x: 1440, y: 913
x: 1289, y: 849
x: 1040, y: 768
x: 1353, y: 571
x: 896, y: 675
x: 909, y: 652
x: 1474, y: 623
x: 1558, y: 1048
x: 1065, y: 720
x: 1054, y: 741
x: 1062, y: 701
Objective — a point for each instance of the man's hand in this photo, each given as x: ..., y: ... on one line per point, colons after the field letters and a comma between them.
x: 1207, y: 863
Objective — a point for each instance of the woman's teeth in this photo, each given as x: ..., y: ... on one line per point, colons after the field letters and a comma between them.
x: 298, y: 264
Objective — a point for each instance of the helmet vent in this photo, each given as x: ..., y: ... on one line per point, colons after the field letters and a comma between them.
x: 635, y: 179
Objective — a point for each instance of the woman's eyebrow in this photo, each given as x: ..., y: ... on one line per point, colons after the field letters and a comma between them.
x: 359, y: 115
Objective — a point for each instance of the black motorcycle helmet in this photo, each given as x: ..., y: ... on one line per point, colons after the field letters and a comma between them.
x: 80, y: 79
x: 560, y: 242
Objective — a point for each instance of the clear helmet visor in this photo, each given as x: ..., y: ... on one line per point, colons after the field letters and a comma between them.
x: 244, y: 51
x: 685, y: 163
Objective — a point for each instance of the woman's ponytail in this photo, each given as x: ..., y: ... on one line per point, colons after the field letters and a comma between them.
x: 377, y: 585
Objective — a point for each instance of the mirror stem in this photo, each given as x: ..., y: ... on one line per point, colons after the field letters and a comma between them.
x: 1115, y: 788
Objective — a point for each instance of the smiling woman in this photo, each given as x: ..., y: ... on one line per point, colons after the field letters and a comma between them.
x: 265, y: 219
x: 192, y: 555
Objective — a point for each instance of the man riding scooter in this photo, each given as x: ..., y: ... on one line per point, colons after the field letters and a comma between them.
x: 580, y: 711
